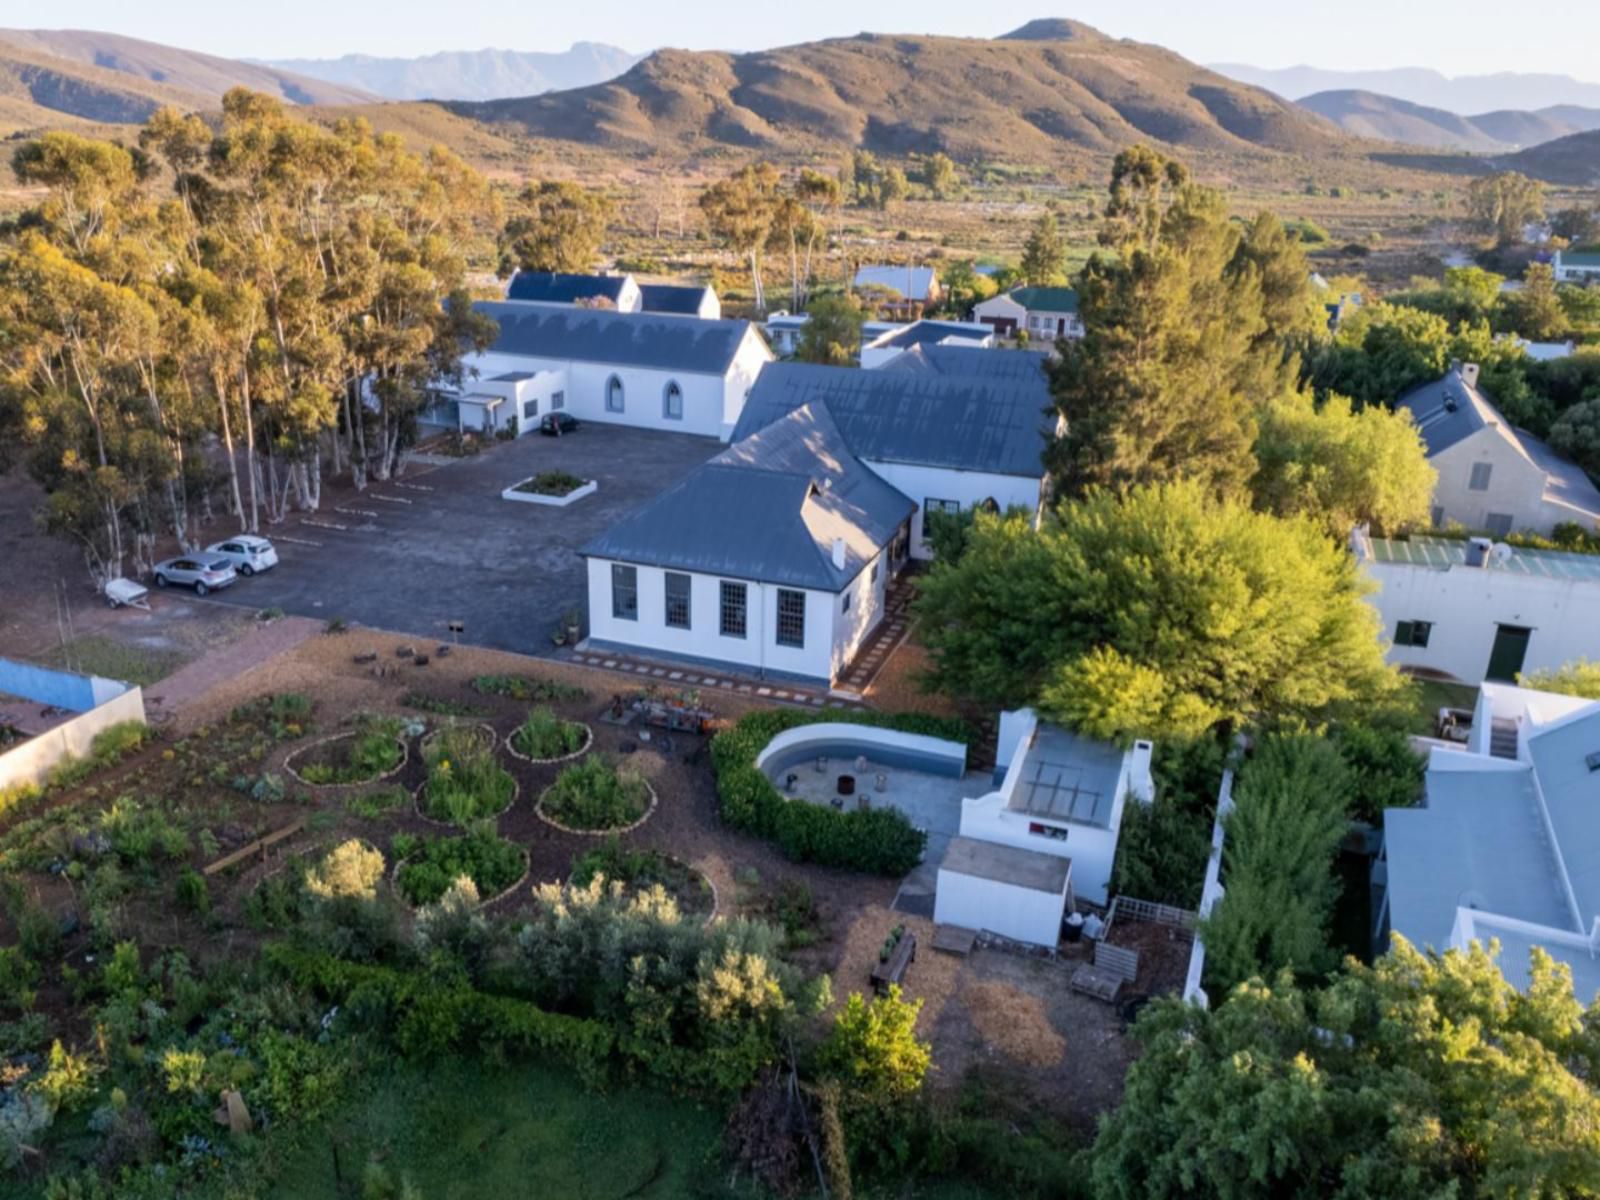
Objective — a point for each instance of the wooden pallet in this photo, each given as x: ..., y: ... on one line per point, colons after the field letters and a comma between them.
x: 1097, y: 982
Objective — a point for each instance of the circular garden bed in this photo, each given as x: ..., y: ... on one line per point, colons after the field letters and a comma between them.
x: 375, y: 751
x: 465, y: 782
x: 427, y: 866
x: 692, y: 891
x: 547, y: 738
x: 595, y: 797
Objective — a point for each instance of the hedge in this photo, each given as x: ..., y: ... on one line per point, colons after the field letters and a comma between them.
x: 879, y: 840
x: 427, y: 1016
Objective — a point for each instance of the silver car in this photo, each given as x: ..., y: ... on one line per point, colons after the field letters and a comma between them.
x: 203, y: 572
x: 247, y: 552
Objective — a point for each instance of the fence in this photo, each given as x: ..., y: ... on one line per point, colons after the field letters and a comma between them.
x: 1148, y: 911
x: 99, y: 703
x: 1193, y: 993
x: 62, y: 689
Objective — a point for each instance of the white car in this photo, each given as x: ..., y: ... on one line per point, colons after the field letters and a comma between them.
x: 247, y: 552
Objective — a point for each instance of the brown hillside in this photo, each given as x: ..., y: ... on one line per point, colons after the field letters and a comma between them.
x: 39, y: 89
x: 1573, y: 160
x: 1026, y: 95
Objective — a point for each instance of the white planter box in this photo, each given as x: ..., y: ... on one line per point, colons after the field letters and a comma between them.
x: 571, y: 497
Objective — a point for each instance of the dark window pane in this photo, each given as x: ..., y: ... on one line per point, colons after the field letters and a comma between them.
x: 677, y: 600
x: 791, y: 618
x: 624, y: 592
x: 733, y: 609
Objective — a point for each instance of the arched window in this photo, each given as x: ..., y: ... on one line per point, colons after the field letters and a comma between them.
x: 613, y: 394
x: 672, y: 402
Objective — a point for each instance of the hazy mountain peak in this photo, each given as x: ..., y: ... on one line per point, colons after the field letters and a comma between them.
x: 488, y: 74
x: 1054, y: 29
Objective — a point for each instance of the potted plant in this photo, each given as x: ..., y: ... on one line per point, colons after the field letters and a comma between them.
x: 572, y: 619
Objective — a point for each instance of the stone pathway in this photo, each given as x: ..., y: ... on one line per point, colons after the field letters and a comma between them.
x: 264, y: 642
x: 708, y: 680
x: 886, y: 638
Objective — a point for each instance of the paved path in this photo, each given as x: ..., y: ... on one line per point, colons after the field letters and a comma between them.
x: 708, y: 679
x: 886, y: 638
x: 259, y: 645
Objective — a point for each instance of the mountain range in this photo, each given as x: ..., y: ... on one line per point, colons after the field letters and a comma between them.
x: 468, y: 74
x: 1370, y: 115
x: 1461, y: 94
x: 1048, y: 84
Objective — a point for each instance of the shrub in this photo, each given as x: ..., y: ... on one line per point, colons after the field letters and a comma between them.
x: 524, y: 687
x: 1385, y: 772
x: 641, y: 869
x: 68, y: 1079
x: 873, y: 1048
x: 192, y: 892
x: 464, y: 783
x: 545, y: 735
x: 139, y: 834
x: 1162, y: 848
x: 595, y: 794
x: 351, y: 870
x: 879, y: 840
x: 372, y: 805
x: 18, y: 975
x: 440, y: 705
x: 551, y: 483
x: 492, y: 863
x: 373, y: 750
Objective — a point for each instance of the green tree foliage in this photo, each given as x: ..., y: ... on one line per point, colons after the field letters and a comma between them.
x: 557, y: 226
x: 939, y: 176
x: 1536, y: 312
x: 832, y: 334
x: 1419, y: 1076
x: 1500, y: 205
x: 1468, y: 295
x: 1204, y: 610
x: 1576, y: 433
x: 1178, y: 344
x: 1385, y: 770
x: 1383, y: 350
x: 1340, y: 466
x: 1291, y: 805
x: 740, y: 211
x: 1577, y: 226
x: 873, y: 1048
x: 1162, y: 847
x: 352, y: 870
x: 1581, y: 677
x: 1044, y: 255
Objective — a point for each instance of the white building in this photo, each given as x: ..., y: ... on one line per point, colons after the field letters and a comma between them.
x: 680, y: 300
x: 1046, y: 836
x: 948, y: 442
x: 1507, y: 844
x: 1046, y: 313
x: 1540, y: 351
x: 890, y: 345
x: 917, y: 287
x: 774, y: 557
x: 621, y: 368
x: 1476, y: 610
x: 784, y: 329
x: 620, y: 293
x: 1494, y: 477
x: 1576, y: 266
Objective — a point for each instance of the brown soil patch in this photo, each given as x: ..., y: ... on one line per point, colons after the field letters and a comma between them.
x: 1016, y: 1023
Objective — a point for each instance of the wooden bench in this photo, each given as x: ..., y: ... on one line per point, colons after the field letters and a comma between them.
x: 894, y: 970
x: 259, y: 846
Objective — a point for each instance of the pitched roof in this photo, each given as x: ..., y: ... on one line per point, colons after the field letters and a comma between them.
x: 768, y: 508
x: 977, y: 362
x: 1443, y: 554
x: 914, y: 283
x: 1579, y: 258
x: 931, y: 333
x: 1046, y: 299
x: 621, y: 339
x: 549, y: 287
x: 965, y: 423
x: 672, y: 298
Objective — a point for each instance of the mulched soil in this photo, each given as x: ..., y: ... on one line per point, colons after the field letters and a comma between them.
x: 1163, y: 954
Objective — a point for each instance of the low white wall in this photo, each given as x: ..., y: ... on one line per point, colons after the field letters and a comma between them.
x: 1210, y: 892
x: 891, y: 740
x: 1019, y: 913
x: 572, y: 497
x: 34, y: 759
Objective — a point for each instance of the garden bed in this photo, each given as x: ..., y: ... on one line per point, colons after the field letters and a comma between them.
x: 424, y: 873
x: 692, y: 891
x: 566, y: 739
x: 465, y: 782
x: 354, y: 757
x: 593, y: 798
x: 556, y: 489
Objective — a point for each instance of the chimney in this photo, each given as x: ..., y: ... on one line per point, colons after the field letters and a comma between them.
x: 1469, y: 374
x: 1141, y: 783
x: 838, y: 553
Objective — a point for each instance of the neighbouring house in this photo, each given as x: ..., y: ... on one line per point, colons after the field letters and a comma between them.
x: 774, y: 557
x: 915, y: 289
x: 1493, y: 476
x: 1475, y: 609
x: 1506, y: 845
x: 1046, y: 836
x: 890, y: 345
x: 1576, y: 266
x: 958, y: 361
x: 617, y: 292
x: 1046, y: 313
x: 948, y: 443
x: 621, y: 368
x: 784, y: 328
x: 680, y: 300
x: 1540, y: 351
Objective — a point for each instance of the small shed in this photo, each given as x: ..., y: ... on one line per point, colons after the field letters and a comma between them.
x: 1018, y: 894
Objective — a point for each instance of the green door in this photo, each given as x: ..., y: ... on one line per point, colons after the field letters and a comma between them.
x: 1510, y: 648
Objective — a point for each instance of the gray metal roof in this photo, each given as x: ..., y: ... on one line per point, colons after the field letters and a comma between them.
x: 975, y: 362
x: 1068, y: 778
x: 547, y: 287
x: 931, y: 333
x: 672, y: 298
x: 1442, y: 554
x: 768, y: 508
x: 1559, y: 752
x: 965, y: 423
x: 1448, y: 411
x: 1565, y: 482
x: 1029, y: 869
x: 557, y: 331
x: 513, y: 377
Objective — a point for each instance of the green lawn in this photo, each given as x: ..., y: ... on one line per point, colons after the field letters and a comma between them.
x: 93, y: 654
x: 1432, y: 695
x: 460, y: 1131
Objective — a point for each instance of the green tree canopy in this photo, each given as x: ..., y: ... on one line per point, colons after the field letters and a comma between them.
x: 1536, y: 312
x: 1502, y: 204
x: 1417, y: 1077
x: 1044, y: 255
x: 939, y: 176
x: 1581, y: 677
x: 1156, y: 613
x: 832, y: 332
x: 557, y: 226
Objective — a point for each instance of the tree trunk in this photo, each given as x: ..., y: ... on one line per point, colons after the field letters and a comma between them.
x: 227, y: 445
x: 252, y: 466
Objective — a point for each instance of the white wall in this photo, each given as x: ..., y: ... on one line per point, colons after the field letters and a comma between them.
x: 1091, y: 848
x: 747, y: 363
x: 968, y: 487
x: 1052, y: 325
x: 758, y: 649
x: 1465, y: 604
x: 33, y: 759
x: 851, y: 629
x: 1516, y: 485
x: 1020, y: 913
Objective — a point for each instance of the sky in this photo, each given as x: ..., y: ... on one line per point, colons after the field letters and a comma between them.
x: 1457, y: 37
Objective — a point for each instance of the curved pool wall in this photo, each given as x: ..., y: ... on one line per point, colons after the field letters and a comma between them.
x: 882, y: 747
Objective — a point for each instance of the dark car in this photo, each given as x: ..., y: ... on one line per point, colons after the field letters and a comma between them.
x: 556, y: 423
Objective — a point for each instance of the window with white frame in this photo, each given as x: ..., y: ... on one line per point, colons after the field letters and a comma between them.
x: 931, y: 506
x: 791, y: 617
x: 672, y: 402
x: 624, y: 592
x: 677, y: 614
x: 558, y: 401
x: 735, y: 599
x: 614, y: 397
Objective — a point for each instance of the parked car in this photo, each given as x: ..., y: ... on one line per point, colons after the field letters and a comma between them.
x: 203, y: 572
x: 247, y: 552
x: 557, y: 423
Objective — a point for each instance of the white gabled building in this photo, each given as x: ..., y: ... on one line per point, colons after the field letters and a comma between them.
x: 1576, y: 266
x: 621, y: 368
x: 1046, y: 313
x: 1476, y: 610
x: 890, y: 345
